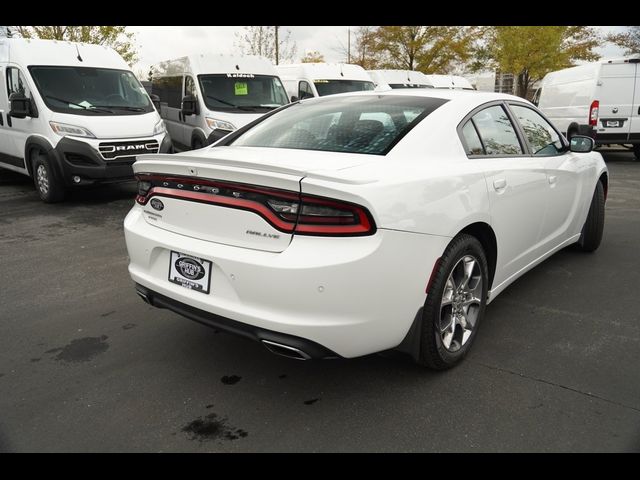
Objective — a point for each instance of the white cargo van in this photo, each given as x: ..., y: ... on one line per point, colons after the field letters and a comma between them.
x: 399, y: 79
x: 72, y: 114
x: 306, y: 80
x: 455, y: 82
x: 600, y: 99
x: 204, y: 97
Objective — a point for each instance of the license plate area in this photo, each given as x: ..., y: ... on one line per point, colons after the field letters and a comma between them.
x: 612, y: 123
x: 190, y: 272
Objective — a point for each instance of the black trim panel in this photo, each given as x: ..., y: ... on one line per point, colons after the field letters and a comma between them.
x: 11, y: 160
x: 313, y: 349
x: 612, y: 138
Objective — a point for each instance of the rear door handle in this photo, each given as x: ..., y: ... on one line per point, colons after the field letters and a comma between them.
x: 553, y: 179
x: 499, y: 184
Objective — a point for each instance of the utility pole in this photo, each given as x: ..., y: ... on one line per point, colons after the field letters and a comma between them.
x: 349, y: 44
x: 277, y: 47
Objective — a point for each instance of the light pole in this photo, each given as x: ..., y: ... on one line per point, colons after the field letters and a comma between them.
x: 277, y: 47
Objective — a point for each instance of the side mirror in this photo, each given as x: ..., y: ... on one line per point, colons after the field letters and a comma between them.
x: 581, y: 144
x: 189, y: 105
x: 294, y: 99
x: 155, y: 99
x: 20, y: 105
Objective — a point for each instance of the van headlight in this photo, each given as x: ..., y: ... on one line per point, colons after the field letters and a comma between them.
x: 159, y: 128
x: 221, y: 124
x: 65, y: 130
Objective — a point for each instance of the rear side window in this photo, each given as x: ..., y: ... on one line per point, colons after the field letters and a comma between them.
x: 540, y: 135
x: 473, y: 145
x: 358, y: 124
x: 497, y: 132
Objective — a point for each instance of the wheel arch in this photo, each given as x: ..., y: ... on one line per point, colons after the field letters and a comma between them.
x: 199, y: 135
x: 36, y: 142
x: 483, y: 232
x: 604, y: 179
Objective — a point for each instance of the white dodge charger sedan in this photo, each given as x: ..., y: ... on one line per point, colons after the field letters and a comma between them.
x: 352, y: 224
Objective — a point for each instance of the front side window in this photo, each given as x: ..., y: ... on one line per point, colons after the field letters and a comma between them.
x: 16, y: 83
x: 305, y: 91
x: 497, y: 132
x: 91, y: 91
x: 190, y: 87
x: 242, y: 92
x: 332, y: 87
x: 356, y: 124
x: 540, y: 135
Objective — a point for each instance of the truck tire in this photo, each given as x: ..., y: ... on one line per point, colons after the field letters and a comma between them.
x: 47, y: 184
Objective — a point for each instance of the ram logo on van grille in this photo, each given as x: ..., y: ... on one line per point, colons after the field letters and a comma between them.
x: 112, y: 150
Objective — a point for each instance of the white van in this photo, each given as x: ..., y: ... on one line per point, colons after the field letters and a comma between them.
x: 455, y: 82
x: 72, y: 114
x: 599, y: 99
x: 306, y: 80
x: 204, y: 97
x: 399, y: 79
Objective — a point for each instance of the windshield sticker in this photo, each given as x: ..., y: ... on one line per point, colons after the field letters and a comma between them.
x: 240, y: 75
x: 321, y: 81
x: 242, y: 88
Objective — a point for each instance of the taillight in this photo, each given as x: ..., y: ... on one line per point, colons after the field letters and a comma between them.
x: 593, y: 113
x: 286, y: 211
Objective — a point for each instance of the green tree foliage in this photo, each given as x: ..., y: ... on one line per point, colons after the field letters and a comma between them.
x: 629, y: 40
x: 530, y: 52
x: 429, y: 49
x: 313, y: 56
x: 115, y: 37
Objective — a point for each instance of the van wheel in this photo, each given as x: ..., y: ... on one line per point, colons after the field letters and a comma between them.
x: 455, y: 304
x: 571, y: 133
x: 48, y: 186
x: 636, y: 151
x: 593, y: 228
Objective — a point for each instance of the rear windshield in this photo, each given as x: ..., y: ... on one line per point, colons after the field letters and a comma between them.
x: 355, y: 124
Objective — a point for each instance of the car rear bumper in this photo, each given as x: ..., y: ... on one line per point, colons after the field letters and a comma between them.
x: 351, y: 296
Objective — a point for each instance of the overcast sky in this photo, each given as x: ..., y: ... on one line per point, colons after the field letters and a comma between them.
x: 156, y: 44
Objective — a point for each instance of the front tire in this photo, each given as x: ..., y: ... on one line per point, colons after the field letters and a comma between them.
x: 455, y: 304
x: 591, y: 235
x: 47, y: 184
x: 636, y: 151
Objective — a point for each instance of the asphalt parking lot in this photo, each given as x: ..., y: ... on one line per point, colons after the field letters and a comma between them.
x: 86, y: 366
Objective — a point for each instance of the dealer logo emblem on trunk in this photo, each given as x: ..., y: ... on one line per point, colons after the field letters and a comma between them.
x: 189, y: 268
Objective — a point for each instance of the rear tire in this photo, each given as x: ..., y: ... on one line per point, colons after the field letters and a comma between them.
x: 636, y: 151
x: 591, y: 235
x: 48, y: 186
x: 455, y: 304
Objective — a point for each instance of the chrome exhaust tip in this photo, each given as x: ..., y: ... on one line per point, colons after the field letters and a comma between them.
x: 285, y: 350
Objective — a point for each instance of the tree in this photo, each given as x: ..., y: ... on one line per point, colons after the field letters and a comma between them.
x: 429, y: 49
x: 260, y: 40
x: 629, y: 40
x: 530, y: 52
x: 361, y: 51
x: 313, y: 56
x: 115, y: 37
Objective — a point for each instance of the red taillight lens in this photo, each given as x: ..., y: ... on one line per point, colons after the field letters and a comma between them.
x: 286, y: 211
x: 593, y: 113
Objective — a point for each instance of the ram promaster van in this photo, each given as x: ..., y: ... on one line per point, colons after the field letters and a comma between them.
x: 306, y: 80
x: 455, y: 82
x: 399, y: 79
x: 72, y: 114
x: 204, y: 97
x: 599, y: 99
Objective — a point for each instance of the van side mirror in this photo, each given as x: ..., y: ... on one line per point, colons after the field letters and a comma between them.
x: 294, y: 99
x: 189, y: 105
x: 20, y: 105
x: 581, y: 144
x: 155, y: 99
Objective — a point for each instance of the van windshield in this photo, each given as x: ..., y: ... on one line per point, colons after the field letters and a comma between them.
x: 239, y: 92
x: 331, y: 87
x: 90, y: 91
